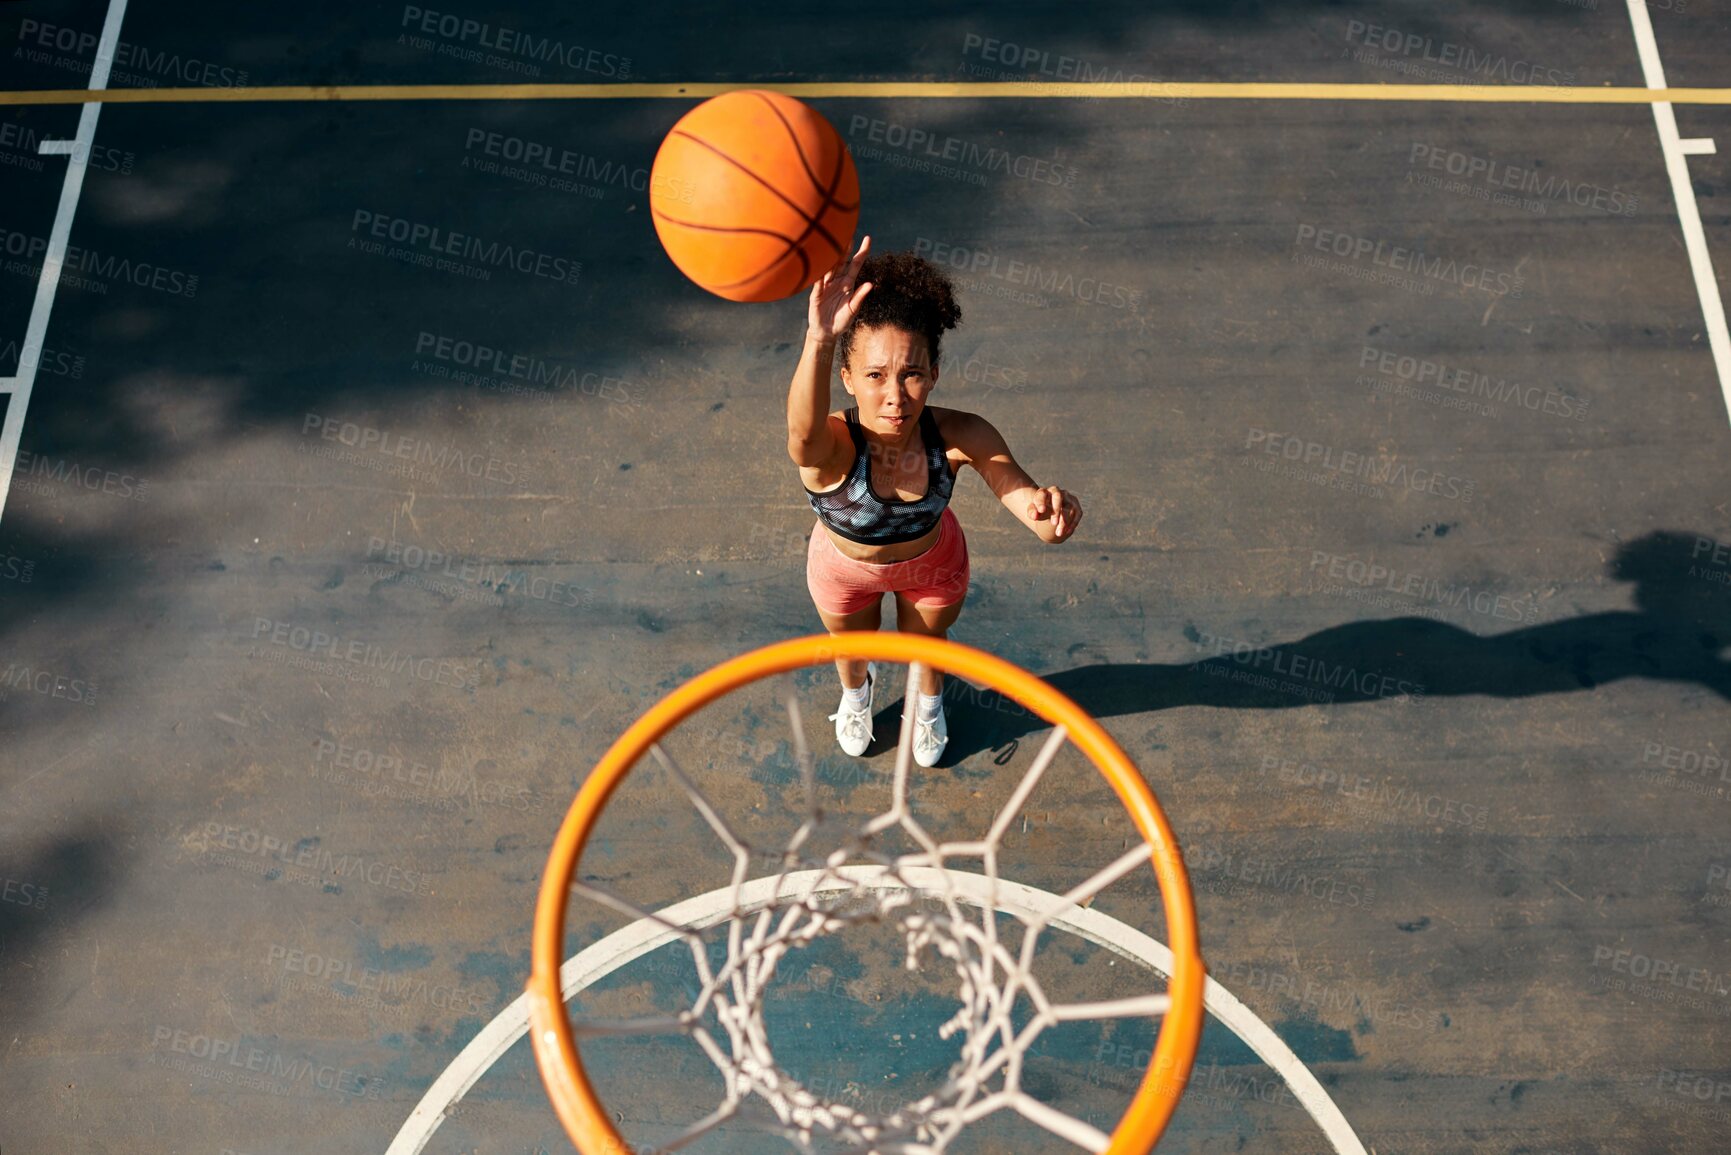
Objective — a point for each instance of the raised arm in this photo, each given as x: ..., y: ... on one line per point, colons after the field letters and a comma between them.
x: 1052, y: 514
x: 811, y: 440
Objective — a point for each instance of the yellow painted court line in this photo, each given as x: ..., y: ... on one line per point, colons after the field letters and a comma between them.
x: 1442, y: 93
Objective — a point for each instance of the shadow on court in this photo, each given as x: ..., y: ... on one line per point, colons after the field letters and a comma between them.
x: 1676, y: 635
x: 42, y: 893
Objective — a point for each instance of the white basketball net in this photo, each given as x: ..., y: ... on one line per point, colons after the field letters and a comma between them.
x: 858, y: 884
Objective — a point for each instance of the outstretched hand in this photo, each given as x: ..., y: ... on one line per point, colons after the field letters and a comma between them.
x: 1062, y: 509
x: 835, y: 298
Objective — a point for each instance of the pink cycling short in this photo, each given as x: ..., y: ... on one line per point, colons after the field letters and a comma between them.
x: 840, y: 584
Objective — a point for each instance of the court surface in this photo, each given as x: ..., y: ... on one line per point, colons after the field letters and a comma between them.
x: 327, y: 571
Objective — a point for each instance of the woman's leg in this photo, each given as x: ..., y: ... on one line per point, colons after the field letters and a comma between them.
x: 852, y: 670
x: 932, y: 601
x: 833, y: 580
x: 933, y: 621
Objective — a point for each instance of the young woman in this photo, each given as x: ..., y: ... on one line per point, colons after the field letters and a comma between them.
x: 879, y: 474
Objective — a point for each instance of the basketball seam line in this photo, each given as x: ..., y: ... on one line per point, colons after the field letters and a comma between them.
x: 829, y: 193
x: 779, y: 194
x: 659, y: 215
x: 799, y: 243
x: 792, y: 247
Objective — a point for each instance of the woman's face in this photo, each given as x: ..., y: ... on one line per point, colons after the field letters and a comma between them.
x: 890, y: 375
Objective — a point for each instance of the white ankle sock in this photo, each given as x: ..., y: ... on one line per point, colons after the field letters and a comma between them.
x: 929, y: 705
x: 857, y: 695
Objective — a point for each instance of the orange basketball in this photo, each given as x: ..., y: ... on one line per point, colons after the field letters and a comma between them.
x: 754, y: 195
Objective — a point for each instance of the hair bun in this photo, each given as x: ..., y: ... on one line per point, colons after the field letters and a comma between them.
x: 909, y: 292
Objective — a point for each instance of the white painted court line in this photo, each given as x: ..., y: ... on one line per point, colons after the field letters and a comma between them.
x: 1683, y: 192
x: 1698, y: 146
x: 48, y: 280
x: 706, y: 910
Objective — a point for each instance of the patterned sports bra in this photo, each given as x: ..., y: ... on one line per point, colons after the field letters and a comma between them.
x: 854, y: 511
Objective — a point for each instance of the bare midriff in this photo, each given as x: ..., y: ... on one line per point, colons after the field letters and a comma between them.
x: 882, y: 554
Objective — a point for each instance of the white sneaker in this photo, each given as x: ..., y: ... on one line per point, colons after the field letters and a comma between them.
x: 930, y: 738
x: 853, y: 727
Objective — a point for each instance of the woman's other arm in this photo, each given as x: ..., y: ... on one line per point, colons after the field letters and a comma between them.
x: 1051, y: 513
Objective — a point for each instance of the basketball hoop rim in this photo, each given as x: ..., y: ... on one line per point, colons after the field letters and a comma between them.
x: 588, y: 1123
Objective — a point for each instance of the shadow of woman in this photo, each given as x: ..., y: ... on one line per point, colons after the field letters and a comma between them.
x: 1681, y: 625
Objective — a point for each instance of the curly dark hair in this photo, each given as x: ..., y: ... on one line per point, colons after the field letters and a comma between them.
x: 908, y: 293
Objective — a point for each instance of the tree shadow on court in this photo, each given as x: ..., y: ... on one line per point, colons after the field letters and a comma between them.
x: 1677, y: 634
x: 42, y: 566
x: 42, y: 895
x: 272, y: 312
